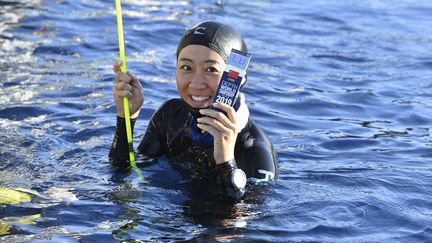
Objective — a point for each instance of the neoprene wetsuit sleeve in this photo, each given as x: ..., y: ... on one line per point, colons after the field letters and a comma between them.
x: 119, y: 153
x: 255, y: 155
x: 225, y: 185
x: 152, y: 143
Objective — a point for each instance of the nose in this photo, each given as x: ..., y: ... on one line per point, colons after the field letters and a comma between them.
x: 198, y: 81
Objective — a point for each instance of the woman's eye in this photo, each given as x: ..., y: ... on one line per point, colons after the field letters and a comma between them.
x: 212, y: 70
x: 185, y: 68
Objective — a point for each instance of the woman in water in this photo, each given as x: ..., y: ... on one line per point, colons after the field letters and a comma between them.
x: 230, y: 149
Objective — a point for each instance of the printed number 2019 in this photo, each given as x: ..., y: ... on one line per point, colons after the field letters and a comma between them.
x: 221, y: 99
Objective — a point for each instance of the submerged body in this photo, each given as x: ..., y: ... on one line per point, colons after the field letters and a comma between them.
x: 168, y: 133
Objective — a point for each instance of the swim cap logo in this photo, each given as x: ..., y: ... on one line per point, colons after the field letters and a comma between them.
x: 197, y: 32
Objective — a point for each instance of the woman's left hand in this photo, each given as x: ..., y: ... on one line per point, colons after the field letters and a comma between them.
x: 223, y: 129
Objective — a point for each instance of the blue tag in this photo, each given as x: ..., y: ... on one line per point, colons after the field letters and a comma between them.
x: 230, y: 83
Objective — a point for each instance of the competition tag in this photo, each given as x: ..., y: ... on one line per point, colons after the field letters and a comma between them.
x: 235, y: 70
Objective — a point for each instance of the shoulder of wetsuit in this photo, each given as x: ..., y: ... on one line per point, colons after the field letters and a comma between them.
x: 171, y: 111
x: 252, y: 135
x: 254, y: 151
x: 172, y: 105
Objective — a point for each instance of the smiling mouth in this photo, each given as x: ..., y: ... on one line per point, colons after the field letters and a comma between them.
x: 200, y: 98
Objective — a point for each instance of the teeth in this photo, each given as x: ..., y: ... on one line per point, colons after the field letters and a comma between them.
x: 200, y: 98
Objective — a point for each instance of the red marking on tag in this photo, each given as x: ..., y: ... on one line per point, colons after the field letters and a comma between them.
x: 233, y: 74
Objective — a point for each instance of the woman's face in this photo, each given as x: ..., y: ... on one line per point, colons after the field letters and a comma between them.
x: 198, y: 72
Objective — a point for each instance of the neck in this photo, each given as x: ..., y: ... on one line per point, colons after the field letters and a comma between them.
x: 193, y: 111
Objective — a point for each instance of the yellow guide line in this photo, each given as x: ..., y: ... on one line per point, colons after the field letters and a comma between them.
x: 125, y: 100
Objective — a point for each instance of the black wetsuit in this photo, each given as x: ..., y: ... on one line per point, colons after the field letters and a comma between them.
x: 168, y: 134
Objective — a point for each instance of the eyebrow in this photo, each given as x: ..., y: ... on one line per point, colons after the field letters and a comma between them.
x: 184, y: 59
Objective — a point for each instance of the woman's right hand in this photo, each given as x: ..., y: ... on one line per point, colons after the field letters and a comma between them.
x: 127, y: 85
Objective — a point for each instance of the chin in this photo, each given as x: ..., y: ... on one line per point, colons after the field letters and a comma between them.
x: 199, y: 106
x: 194, y: 108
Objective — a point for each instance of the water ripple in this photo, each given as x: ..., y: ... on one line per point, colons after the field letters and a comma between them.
x: 341, y: 88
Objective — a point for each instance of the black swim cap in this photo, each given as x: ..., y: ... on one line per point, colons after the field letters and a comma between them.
x: 216, y: 36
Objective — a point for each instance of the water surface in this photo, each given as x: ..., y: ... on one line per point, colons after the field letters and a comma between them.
x: 342, y: 88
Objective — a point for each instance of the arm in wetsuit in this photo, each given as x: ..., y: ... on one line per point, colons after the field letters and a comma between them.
x: 119, y: 152
x: 254, y: 154
x: 150, y: 145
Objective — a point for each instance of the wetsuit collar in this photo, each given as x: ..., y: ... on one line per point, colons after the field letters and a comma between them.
x: 194, y: 111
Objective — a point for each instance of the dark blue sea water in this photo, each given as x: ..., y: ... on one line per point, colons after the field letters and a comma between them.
x: 343, y: 88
